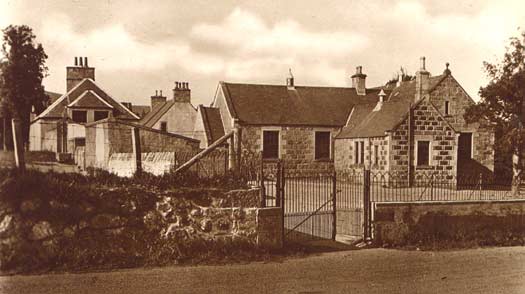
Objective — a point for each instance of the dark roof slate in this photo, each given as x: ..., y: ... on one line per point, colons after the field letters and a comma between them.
x: 277, y: 105
x: 56, y: 109
x: 211, y: 118
x: 89, y: 100
x: 391, y: 113
x: 152, y: 117
x: 140, y: 110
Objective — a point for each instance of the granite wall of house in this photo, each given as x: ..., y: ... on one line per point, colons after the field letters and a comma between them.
x: 345, y: 154
x: 297, y: 147
x: 483, y: 134
x: 427, y: 125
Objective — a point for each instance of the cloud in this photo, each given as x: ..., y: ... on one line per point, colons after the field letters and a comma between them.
x: 255, y: 49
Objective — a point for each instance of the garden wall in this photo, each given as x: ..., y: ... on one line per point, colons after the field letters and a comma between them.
x: 86, y: 225
x: 451, y: 223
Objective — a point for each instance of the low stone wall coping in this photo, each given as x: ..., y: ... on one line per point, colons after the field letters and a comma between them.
x: 451, y: 202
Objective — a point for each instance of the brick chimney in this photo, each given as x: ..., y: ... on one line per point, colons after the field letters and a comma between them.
x: 358, y: 81
x: 157, y: 99
x: 422, y: 80
x: 182, y: 92
x: 80, y: 71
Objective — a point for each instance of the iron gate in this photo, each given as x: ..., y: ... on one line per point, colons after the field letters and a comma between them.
x: 318, y: 206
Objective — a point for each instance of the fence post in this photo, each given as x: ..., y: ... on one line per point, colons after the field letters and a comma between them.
x: 278, y: 184
x: 137, y: 151
x: 432, y: 187
x: 282, y: 202
x: 263, y: 189
x: 366, y: 204
x: 334, y: 205
x: 18, y: 143
x: 480, y: 184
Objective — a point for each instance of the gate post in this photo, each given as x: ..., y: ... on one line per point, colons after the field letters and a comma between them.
x: 137, y: 152
x: 334, y: 205
x: 366, y: 205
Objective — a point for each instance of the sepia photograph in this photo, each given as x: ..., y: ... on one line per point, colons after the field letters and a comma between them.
x: 231, y: 146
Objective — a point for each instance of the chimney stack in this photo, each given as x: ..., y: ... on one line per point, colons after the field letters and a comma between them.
x: 77, y: 73
x: 182, y: 92
x: 422, y: 80
x: 157, y: 99
x: 359, y: 81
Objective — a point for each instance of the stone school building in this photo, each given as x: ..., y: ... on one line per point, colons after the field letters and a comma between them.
x: 410, y: 127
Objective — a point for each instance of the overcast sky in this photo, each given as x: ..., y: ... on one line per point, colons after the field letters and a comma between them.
x: 141, y: 46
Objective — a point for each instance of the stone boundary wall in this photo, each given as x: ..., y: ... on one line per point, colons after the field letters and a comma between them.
x: 111, y: 226
x: 476, y: 222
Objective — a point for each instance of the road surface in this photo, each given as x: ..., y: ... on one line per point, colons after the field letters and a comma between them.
x: 494, y: 270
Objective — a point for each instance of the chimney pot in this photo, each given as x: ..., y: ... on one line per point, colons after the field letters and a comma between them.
x: 81, y: 63
x: 76, y: 61
x: 160, y: 92
x: 422, y: 63
x: 156, y: 92
x: 85, y: 61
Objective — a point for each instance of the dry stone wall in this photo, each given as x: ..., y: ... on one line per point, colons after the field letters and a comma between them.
x: 87, y: 225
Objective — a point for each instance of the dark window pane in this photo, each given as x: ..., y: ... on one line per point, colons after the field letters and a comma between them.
x: 79, y: 116
x: 447, y: 105
x: 164, y: 126
x: 322, y: 145
x: 99, y: 115
x: 362, y: 157
x: 270, y: 144
x: 423, y: 150
x: 356, y: 152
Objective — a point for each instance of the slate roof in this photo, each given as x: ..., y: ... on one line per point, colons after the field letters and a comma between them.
x: 52, y: 96
x: 90, y: 99
x: 140, y: 110
x: 211, y: 118
x: 152, y: 117
x: 392, y: 112
x: 56, y: 109
x: 277, y: 105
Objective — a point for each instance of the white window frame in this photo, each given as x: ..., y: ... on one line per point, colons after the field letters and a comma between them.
x: 430, y: 162
x: 330, y: 154
x: 278, y: 129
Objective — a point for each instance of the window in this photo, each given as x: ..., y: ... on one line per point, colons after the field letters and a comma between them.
x: 362, y: 145
x: 322, y: 145
x: 423, y: 153
x: 270, y: 144
x: 359, y: 152
x: 164, y: 126
x: 376, y: 152
x: 99, y: 115
x: 79, y: 116
x: 356, y: 152
x: 447, y: 108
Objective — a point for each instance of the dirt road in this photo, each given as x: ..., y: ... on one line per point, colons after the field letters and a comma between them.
x: 496, y: 270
